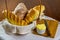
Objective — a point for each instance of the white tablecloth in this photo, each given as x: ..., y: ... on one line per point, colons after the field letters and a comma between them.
x: 29, y: 36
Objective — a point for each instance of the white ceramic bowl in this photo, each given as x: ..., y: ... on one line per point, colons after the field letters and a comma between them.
x: 9, y: 28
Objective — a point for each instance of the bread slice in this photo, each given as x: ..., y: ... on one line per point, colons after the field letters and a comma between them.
x: 38, y: 8
x: 34, y: 13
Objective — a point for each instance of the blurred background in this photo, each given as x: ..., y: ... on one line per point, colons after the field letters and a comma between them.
x: 52, y: 6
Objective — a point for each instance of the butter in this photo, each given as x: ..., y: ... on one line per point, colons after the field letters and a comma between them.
x: 41, y: 26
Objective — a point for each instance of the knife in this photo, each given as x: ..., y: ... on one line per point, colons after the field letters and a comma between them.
x: 47, y: 30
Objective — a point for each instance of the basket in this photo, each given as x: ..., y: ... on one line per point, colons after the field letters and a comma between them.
x: 15, y: 29
x: 14, y: 26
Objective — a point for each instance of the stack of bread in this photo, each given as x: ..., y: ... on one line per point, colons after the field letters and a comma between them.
x: 22, y: 16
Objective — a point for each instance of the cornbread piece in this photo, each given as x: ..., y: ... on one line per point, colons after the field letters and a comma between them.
x: 5, y: 13
x: 34, y: 13
x: 30, y: 17
x: 14, y: 19
x: 38, y: 8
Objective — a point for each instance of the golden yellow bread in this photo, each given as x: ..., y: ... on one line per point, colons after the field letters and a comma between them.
x: 14, y: 19
x: 5, y: 13
x: 32, y: 15
x: 38, y: 8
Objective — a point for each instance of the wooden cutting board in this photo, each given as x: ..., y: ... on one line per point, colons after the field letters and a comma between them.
x: 52, y: 26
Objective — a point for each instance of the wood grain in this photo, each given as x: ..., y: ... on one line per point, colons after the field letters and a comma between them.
x: 52, y: 6
x: 2, y: 7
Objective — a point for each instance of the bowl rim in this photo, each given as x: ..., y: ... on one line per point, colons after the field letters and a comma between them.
x: 18, y: 25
